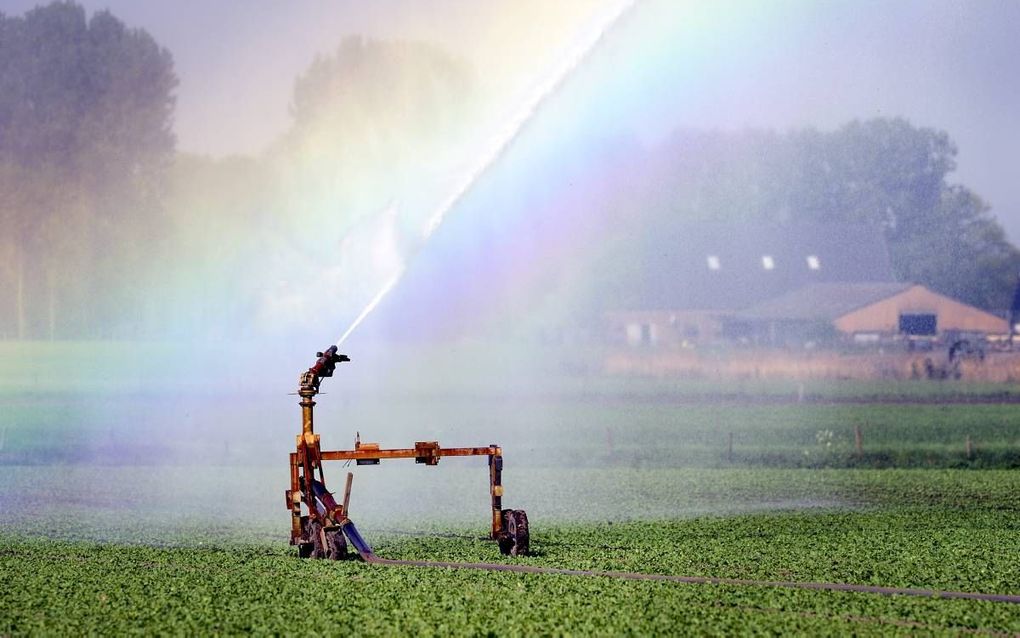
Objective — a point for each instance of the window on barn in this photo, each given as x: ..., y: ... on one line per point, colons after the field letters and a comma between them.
x: 921, y: 324
x: 642, y: 334
x: 813, y: 263
x: 633, y: 334
x: 649, y: 334
x: 713, y: 262
x: 767, y: 262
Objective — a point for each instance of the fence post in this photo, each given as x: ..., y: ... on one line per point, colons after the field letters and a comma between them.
x: 858, y: 439
x: 970, y: 448
x: 729, y: 448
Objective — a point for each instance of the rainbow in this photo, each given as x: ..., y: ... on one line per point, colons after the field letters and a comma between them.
x: 519, y: 210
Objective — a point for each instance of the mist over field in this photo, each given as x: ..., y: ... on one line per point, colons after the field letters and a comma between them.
x: 464, y: 207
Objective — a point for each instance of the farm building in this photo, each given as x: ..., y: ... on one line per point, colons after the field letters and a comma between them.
x: 866, y: 312
x: 691, y: 292
x: 776, y: 285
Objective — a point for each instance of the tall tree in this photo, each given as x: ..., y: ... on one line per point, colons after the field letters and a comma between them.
x: 379, y: 126
x: 85, y: 138
x: 883, y: 172
x: 896, y: 176
x: 373, y: 119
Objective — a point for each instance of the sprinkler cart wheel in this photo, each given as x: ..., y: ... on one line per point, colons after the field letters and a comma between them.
x: 335, y: 544
x: 323, y: 542
x: 317, y: 547
x: 514, y: 540
x: 304, y: 542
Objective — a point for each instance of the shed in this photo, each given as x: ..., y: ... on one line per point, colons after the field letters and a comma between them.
x: 696, y: 277
x: 870, y: 311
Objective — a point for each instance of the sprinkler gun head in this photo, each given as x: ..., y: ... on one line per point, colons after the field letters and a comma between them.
x: 326, y: 362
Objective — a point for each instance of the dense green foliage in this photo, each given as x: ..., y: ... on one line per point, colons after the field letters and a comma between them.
x: 114, y: 521
x: 657, y: 494
x: 946, y: 530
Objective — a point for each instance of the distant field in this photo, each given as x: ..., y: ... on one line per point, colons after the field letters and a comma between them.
x: 891, y: 364
x: 568, y: 432
x: 142, y: 490
x: 116, y: 403
x: 415, y: 371
x: 571, y: 432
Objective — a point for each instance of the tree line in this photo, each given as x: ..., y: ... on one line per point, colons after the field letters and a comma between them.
x: 109, y: 232
x: 883, y: 172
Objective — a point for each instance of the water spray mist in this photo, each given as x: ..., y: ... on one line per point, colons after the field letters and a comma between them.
x: 545, y: 89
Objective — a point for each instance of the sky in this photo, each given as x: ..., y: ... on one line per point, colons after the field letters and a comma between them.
x: 725, y: 65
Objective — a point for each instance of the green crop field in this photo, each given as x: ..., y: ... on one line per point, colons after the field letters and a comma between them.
x: 140, y: 501
x: 96, y: 565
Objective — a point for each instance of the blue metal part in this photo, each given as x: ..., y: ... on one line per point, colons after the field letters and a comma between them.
x: 354, y: 536
x: 323, y: 496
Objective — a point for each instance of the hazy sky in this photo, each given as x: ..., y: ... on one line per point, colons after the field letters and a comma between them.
x: 950, y: 65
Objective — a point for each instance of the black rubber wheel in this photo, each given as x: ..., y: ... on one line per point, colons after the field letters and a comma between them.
x: 503, y: 539
x: 316, y: 540
x: 336, y: 545
x: 505, y: 542
x: 304, y: 550
x: 517, y: 530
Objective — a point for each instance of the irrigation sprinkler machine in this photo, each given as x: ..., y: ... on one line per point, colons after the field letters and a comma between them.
x: 320, y: 526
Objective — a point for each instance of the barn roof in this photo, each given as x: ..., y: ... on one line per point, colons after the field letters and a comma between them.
x: 729, y: 267
x: 822, y: 302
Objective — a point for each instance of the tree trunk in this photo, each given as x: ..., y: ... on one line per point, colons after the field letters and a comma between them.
x: 19, y: 296
x: 52, y: 305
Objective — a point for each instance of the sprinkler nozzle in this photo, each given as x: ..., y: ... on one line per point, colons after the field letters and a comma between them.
x: 326, y: 362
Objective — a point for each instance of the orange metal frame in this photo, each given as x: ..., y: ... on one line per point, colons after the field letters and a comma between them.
x: 308, y: 458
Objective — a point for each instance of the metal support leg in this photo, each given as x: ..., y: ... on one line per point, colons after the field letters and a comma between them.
x: 496, y: 490
x: 294, y: 500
